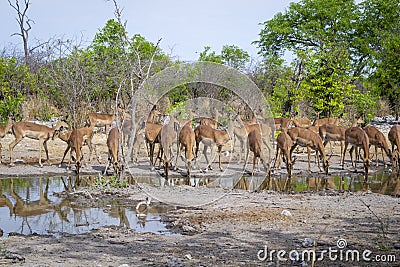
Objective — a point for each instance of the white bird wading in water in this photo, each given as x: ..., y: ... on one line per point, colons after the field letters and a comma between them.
x: 142, y: 207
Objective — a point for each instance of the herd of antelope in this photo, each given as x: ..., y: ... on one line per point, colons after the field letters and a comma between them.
x: 187, y: 136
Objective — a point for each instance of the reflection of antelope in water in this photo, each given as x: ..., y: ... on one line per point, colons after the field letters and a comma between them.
x: 389, y: 184
x: 24, y: 208
x: 318, y: 183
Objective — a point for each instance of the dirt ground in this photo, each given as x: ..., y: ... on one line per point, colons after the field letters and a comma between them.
x: 234, y: 228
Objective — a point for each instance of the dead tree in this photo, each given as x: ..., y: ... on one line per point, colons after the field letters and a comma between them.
x: 24, y: 24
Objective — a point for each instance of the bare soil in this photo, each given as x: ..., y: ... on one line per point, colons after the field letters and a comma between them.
x: 233, y: 229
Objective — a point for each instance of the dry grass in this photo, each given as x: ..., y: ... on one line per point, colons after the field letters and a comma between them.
x: 36, y: 107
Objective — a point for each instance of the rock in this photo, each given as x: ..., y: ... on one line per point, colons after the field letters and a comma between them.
x: 219, y: 244
x: 124, y: 265
x: 326, y: 216
x: 286, y: 213
x: 188, y: 256
x: 187, y: 228
x: 308, y: 242
x: 193, y: 245
x: 13, y: 256
x: 174, y: 262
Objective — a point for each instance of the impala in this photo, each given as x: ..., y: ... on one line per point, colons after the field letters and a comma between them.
x: 152, y: 132
x: 254, y: 144
x: 168, y: 137
x: 332, y: 133
x: 213, y: 123
x: 284, y: 144
x: 282, y: 123
x: 210, y: 137
x: 87, y: 133
x: 377, y: 139
x: 100, y: 120
x: 307, y: 138
x: 263, y: 128
x: 182, y: 122
x: 112, y: 145
x: 320, y: 122
x: 4, y: 130
x: 238, y: 133
x: 139, y: 135
x: 357, y: 137
x: 75, y: 142
x: 186, y: 140
x: 394, y: 138
x: 34, y: 131
x: 127, y: 129
x: 302, y: 122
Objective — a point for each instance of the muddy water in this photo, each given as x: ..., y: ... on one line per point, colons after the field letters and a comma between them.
x: 382, y: 183
x: 34, y: 205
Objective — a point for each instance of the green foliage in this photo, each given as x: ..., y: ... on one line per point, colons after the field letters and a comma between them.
x: 15, y: 80
x: 275, y: 81
x: 336, y: 43
x: 231, y: 55
x: 328, y: 83
x: 234, y: 57
x: 208, y: 55
x: 110, y: 182
x: 307, y: 25
x: 364, y: 104
x: 109, y: 39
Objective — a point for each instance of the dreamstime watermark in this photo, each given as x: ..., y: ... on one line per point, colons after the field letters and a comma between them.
x: 338, y: 253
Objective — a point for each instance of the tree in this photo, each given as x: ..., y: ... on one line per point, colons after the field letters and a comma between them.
x: 208, y: 55
x: 322, y: 35
x: 381, y: 28
x: 234, y: 57
x: 15, y: 81
x: 24, y: 24
x: 276, y: 81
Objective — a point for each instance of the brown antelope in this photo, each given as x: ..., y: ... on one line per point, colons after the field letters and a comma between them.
x: 357, y: 137
x: 75, y: 142
x: 34, y: 131
x: 394, y: 138
x: 254, y: 144
x: 182, y: 122
x: 307, y: 138
x: 87, y: 133
x: 127, y: 129
x: 282, y: 123
x: 238, y: 133
x: 331, y: 133
x: 320, y: 122
x: 186, y: 140
x: 100, y: 120
x: 377, y: 139
x: 302, y: 122
x: 210, y: 136
x: 263, y: 128
x: 213, y: 123
x: 152, y: 132
x: 139, y: 135
x: 168, y: 137
x: 4, y: 130
x: 112, y: 145
x: 284, y: 144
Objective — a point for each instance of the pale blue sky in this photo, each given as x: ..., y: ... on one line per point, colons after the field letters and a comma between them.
x: 184, y: 26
